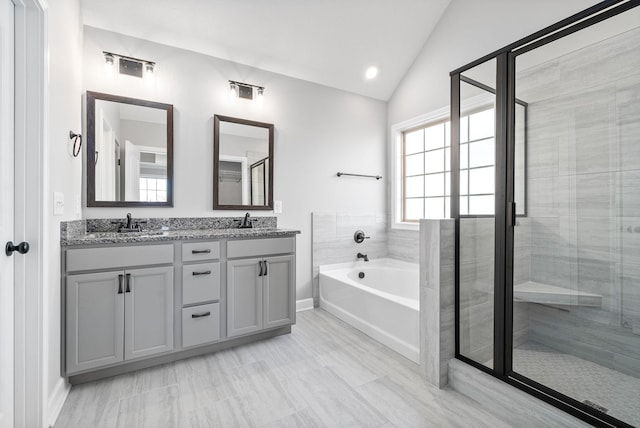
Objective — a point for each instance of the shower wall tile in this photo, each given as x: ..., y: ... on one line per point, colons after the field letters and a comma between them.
x: 332, y: 240
x: 593, y: 340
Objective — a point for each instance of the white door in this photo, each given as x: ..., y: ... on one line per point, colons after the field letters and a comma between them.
x: 6, y: 210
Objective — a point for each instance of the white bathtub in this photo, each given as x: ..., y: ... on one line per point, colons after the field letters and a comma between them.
x: 385, y: 304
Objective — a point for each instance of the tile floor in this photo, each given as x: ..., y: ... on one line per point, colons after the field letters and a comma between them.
x: 324, y: 374
x: 581, y: 379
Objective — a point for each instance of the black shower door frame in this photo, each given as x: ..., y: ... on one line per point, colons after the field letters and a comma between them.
x: 505, y: 210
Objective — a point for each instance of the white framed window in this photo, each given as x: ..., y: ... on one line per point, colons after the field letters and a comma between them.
x: 153, y: 189
x: 422, y: 161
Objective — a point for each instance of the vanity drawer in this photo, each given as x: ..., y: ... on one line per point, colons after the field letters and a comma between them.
x: 260, y: 247
x: 200, y: 283
x: 79, y: 259
x: 200, y: 324
x: 193, y: 251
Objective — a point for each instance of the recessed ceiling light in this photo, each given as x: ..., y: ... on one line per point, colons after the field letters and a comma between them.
x: 371, y: 72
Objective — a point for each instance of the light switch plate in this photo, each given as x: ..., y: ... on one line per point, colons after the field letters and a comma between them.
x: 58, y: 203
x: 277, y: 207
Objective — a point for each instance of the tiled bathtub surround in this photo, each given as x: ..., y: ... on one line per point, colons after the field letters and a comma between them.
x: 404, y: 245
x: 333, y: 239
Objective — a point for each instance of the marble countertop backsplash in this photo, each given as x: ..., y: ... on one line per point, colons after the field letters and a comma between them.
x: 103, y: 231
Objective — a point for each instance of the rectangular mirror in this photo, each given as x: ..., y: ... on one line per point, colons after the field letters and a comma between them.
x: 242, y: 164
x: 129, y: 152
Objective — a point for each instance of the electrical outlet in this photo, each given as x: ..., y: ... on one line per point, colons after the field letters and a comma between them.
x: 58, y: 203
x: 277, y: 207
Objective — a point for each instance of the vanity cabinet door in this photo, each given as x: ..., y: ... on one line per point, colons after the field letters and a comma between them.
x: 244, y: 296
x: 94, y: 320
x: 148, y: 317
x: 279, y: 288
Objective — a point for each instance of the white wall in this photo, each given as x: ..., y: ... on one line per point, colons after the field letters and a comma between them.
x: 467, y: 31
x: 64, y: 174
x: 318, y: 132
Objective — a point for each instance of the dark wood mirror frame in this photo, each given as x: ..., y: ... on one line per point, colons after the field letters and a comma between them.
x: 91, y: 147
x: 216, y: 160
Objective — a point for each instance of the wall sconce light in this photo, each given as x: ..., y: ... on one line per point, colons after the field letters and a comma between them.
x: 245, y: 90
x: 135, y: 67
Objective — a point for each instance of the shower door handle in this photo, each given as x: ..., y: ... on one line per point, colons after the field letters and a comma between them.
x: 512, y: 214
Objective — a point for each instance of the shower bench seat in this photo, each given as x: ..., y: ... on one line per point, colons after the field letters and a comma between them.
x: 553, y: 295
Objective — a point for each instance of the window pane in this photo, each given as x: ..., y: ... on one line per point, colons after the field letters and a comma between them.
x: 151, y: 196
x: 481, y: 204
x: 447, y: 159
x: 434, y: 161
x: 151, y: 184
x: 481, y: 125
x: 413, y: 142
x: 464, y: 205
x: 464, y: 129
x: 162, y: 184
x: 481, y: 180
x: 434, y: 185
x: 162, y: 196
x: 434, y: 208
x: 414, y: 209
x: 447, y: 134
x: 414, y: 164
x: 464, y: 155
x: 464, y: 182
x: 143, y: 183
x: 414, y: 186
x: 434, y: 137
x: 143, y: 195
x: 447, y: 183
x: 482, y: 153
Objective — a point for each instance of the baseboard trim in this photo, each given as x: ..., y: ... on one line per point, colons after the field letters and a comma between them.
x: 56, y: 400
x: 304, y: 305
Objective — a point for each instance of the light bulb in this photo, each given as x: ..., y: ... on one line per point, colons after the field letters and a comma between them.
x: 233, y: 91
x: 260, y: 96
x: 148, y: 70
x: 109, y: 64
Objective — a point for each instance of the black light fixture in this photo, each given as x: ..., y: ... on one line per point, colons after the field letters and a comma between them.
x: 245, y: 90
x: 130, y: 66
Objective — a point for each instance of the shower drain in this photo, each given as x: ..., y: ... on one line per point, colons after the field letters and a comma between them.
x: 596, y: 406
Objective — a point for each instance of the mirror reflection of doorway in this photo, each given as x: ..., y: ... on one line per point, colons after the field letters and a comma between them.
x: 259, y: 182
x: 233, y: 181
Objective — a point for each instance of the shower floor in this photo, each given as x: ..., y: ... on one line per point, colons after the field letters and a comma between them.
x: 581, y: 380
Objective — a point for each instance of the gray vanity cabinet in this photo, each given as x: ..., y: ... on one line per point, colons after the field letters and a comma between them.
x: 260, y: 292
x: 117, y: 316
x: 279, y: 304
x: 95, y: 320
x: 148, y: 312
x: 244, y: 296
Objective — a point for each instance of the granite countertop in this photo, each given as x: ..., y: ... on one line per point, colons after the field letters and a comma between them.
x: 100, y: 231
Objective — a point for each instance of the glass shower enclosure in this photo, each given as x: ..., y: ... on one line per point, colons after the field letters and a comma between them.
x: 546, y: 197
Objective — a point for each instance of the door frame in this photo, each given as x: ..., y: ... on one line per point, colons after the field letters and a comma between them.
x: 30, y: 204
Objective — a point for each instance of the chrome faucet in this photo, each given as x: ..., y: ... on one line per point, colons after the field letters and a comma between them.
x: 363, y: 256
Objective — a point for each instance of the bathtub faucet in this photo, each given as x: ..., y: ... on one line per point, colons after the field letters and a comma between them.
x: 363, y: 256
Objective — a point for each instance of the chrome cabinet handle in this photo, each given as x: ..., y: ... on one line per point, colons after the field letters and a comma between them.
x: 128, y: 290
x: 120, y: 280
x: 206, y: 272
x: 204, y: 314
x: 200, y: 251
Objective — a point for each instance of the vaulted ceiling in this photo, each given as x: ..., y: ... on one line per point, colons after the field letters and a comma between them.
x: 330, y: 42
